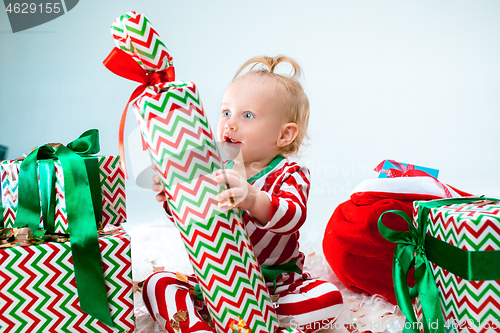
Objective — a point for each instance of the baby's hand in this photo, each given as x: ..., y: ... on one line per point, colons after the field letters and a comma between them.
x: 158, y: 187
x: 237, y: 194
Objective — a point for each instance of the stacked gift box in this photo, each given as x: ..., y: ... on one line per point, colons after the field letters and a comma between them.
x: 455, y: 249
x: 71, y: 271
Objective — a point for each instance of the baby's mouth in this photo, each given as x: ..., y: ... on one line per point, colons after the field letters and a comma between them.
x: 228, y: 139
x: 230, y: 147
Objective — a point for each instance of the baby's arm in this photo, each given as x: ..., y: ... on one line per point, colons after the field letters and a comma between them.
x: 282, y: 209
x: 242, y: 195
x: 257, y: 203
x: 288, y: 197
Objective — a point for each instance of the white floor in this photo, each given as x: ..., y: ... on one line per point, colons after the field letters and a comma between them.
x: 156, y: 242
x: 154, y: 237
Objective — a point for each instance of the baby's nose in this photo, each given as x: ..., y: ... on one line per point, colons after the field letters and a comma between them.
x: 231, y: 125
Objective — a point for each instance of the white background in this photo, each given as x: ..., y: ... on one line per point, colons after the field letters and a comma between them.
x: 414, y: 81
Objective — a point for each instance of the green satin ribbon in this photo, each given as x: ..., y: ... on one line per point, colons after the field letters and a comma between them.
x: 88, y: 144
x: 197, y: 292
x: 47, y: 174
x: 417, y: 249
x: 271, y: 273
x: 81, y: 217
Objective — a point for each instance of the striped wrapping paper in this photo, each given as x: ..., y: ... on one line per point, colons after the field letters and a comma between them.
x: 474, y: 305
x: 38, y: 290
x: 112, y: 189
x: 182, y: 146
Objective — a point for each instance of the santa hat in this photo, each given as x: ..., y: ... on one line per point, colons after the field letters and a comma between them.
x: 360, y: 257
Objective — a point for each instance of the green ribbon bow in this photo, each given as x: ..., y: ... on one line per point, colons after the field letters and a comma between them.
x: 417, y: 249
x: 81, y: 215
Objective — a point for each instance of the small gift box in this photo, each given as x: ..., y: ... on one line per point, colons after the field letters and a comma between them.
x: 455, y: 251
x: 391, y: 169
x: 38, y: 292
x: 106, y: 180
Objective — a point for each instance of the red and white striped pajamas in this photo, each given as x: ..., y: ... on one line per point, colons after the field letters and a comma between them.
x: 304, y: 303
x: 164, y: 295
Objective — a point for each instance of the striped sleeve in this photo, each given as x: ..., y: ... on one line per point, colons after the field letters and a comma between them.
x: 289, y: 201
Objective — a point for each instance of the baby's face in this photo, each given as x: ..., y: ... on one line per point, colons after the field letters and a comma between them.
x: 252, y: 115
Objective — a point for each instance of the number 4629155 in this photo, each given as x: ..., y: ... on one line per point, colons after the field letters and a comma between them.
x: 31, y: 8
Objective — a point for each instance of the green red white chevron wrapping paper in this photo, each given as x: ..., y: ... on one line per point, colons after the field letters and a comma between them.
x: 471, y: 304
x: 134, y: 34
x: 38, y: 290
x: 185, y: 155
x: 112, y: 189
x: 182, y: 146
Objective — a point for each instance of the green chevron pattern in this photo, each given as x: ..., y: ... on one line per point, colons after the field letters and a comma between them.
x: 203, y: 235
x: 9, y: 172
x: 471, y: 227
x: 183, y: 150
x: 39, y: 293
x: 112, y: 188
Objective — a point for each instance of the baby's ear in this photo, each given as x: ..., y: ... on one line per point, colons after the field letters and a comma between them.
x: 289, y: 132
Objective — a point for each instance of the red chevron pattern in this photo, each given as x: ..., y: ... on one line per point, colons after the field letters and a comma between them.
x: 9, y: 173
x: 181, y: 144
x: 113, y: 191
x: 153, y: 54
x: 112, y: 188
x: 474, y: 305
x: 38, y: 291
x: 61, y: 215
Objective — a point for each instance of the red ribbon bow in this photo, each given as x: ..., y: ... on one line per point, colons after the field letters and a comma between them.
x: 122, y: 64
x: 404, y: 171
x: 408, y: 171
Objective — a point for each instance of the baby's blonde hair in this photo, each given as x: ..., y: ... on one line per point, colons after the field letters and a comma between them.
x: 296, y: 101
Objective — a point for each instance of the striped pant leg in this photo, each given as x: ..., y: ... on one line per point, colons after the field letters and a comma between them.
x: 308, y: 305
x: 164, y: 296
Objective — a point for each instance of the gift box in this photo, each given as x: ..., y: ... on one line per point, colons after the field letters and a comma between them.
x: 38, y: 292
x: 67, y: 177
x: 453, y: 246
x: 391, y: 168
x: 107, y: 187
x: 182, y: 146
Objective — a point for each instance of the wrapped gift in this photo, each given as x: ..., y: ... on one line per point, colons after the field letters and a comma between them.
x: 32, y: 185
x: 38, y: 292
x: 107, y: 185
x: 176, y: 131
x: 455, y: 251
x: 391, y: 168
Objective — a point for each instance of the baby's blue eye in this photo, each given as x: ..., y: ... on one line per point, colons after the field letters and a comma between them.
x: 226, y: 113
x: 248, y: 115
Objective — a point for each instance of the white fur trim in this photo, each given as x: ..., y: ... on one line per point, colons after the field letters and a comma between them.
x: 406, y: 185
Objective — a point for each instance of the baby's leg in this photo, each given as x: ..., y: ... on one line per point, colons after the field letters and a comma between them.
x: 170, y: 304
x: 308, y: 305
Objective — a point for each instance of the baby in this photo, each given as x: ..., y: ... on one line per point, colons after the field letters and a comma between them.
x: 264, y: 118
